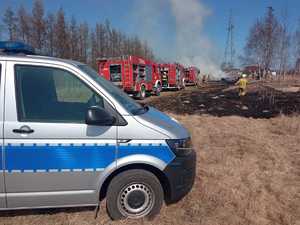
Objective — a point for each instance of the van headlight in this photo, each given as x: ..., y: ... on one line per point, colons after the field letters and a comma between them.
x: 181, y: 147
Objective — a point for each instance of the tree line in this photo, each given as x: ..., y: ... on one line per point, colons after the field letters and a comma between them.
x: 55, y: 35
x: 272, y: 45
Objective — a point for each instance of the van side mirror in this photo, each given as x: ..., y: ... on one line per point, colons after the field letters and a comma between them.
x: 99, y: 117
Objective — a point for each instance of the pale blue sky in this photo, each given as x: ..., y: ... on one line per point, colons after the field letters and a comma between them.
x: 154, y: 21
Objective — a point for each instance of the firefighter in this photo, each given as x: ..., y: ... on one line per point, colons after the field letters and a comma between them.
x: 164, y: 77
x: 242, y: 83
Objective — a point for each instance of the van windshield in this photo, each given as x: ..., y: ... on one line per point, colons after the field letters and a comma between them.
x: 128, y: 103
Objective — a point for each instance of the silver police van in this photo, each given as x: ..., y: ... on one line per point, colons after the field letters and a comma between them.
x: 70, y: 138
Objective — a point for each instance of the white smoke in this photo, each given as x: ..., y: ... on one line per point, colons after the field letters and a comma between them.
x: 190, y: 46
x: 193, y: 48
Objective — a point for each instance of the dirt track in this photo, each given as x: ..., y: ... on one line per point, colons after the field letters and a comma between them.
x: 248, y: 169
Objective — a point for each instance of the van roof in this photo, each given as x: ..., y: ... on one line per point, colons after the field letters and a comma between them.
x: 37, y: 58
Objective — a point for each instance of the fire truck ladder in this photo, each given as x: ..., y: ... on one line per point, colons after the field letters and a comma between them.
x: 126, y: 71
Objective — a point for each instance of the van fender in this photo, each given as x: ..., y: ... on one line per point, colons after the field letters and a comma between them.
x: 141, y: 159
x: 129, y: 160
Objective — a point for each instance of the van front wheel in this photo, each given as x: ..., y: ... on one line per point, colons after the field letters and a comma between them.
x: 134, y: 194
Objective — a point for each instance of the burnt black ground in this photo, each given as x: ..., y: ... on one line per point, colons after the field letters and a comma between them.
x: 219, y: 99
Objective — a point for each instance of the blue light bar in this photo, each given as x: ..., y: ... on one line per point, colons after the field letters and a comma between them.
x: 15, y: 47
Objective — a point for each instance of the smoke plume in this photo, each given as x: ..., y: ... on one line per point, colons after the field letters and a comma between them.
x: 192, y: 46
x: 187, y: 44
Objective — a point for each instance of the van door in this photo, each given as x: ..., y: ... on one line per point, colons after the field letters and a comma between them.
x: 2, y: 186
x: 52, y: 157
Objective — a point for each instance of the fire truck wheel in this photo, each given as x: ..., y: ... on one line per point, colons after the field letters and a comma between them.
x: 178, y: 87
x: 142, y: 93
x: 158, y: 90
x: 183, y: 84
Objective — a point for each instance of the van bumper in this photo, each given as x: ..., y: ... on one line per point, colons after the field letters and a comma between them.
x: 181, y: 176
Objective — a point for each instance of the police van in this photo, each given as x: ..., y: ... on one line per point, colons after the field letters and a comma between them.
x: 70, y: 138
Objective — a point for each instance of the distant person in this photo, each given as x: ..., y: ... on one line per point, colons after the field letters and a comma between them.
x: 242, y: 83
x: 164, y: 76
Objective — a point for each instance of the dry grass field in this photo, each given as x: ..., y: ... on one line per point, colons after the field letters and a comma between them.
x: 248, y: 172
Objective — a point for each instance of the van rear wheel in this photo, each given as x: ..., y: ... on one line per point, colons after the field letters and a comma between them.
x: 134, y: 194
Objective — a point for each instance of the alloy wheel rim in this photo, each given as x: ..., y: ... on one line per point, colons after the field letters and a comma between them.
x: 136, y: 200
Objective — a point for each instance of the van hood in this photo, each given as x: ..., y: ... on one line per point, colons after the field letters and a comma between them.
x: 162, y: 123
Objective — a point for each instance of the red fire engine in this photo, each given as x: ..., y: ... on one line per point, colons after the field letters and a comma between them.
x: 172, y: 75
x: 133, y: 74
x: 191, y: 75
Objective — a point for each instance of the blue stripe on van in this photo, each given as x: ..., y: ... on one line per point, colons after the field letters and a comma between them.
x: 162, y: 152
x: 58, y: 157
x: 35, y: 157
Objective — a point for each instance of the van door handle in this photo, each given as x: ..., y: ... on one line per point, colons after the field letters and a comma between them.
x: 123, y: 141
x: 23, y: 130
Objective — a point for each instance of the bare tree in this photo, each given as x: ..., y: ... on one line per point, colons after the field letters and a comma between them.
x: 61, y: 40
x: 108, y: 44
x: 270, y: 30
x: 284, y: 44
x: 49, y: 34
x: 114, y: 42
x: 137, y: 46
x: 94, y: 49
x: 74, y: 35
x: 83, y: 42
x: 147, y: 52
x: 263, y: 40
x: 23, y: 26
x: 38, y: 24
x: 100, y: 39
x: 10, y: 21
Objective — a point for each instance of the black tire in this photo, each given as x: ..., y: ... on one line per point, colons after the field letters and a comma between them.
x: 139, y: 182
x: 158, y: 90
x: 178, y: 86
x: 183, y: 84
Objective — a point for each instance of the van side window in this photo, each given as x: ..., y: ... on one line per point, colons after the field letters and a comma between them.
x: 46, y: 94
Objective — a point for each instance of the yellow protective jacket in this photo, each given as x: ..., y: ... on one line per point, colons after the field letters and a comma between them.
x: 242, y: 83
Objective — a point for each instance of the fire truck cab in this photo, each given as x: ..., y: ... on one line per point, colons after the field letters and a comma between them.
x: 191, y: 75
x: 172, y: 76
x: 135, y: 75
